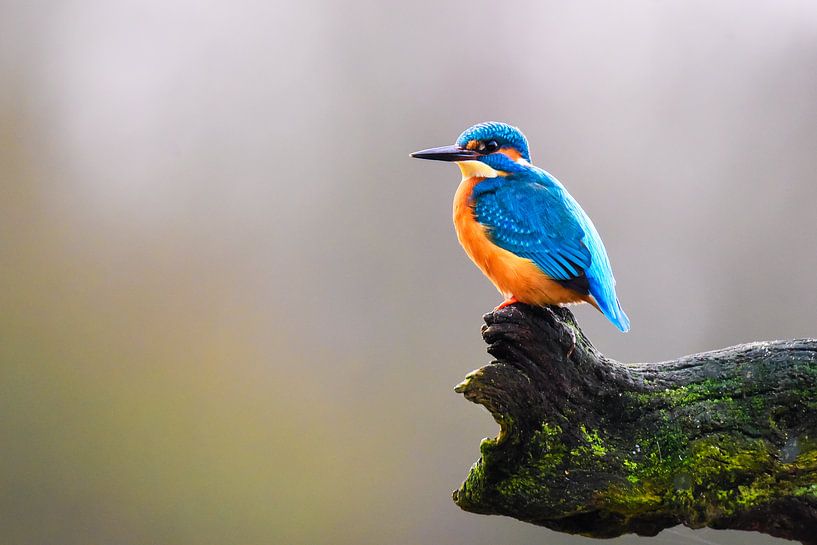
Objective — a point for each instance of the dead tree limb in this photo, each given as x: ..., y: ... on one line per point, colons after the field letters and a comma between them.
x: 587, y: 445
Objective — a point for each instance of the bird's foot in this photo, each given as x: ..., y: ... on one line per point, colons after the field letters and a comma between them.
x: 506, y: 302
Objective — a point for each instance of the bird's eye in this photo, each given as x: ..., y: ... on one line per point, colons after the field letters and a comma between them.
x: 488, y: 147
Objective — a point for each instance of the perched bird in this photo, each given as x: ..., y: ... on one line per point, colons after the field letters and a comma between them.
x: 522, y: 228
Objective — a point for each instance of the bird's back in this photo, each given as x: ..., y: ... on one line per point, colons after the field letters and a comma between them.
x: 600, y: 274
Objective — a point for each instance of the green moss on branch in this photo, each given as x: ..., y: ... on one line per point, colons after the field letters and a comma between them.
x: 726, y: 439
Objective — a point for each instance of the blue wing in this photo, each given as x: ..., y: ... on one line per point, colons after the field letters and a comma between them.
x: 533, y: 216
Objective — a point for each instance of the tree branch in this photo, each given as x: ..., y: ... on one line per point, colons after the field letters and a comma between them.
x: 587, y: 445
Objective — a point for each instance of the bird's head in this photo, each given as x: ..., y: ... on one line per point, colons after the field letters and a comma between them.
x: 486, y: 150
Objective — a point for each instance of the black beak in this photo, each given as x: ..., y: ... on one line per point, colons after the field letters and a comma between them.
x: 446, y: 153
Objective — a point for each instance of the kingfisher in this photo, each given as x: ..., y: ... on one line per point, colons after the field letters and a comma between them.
x: 522, y: 228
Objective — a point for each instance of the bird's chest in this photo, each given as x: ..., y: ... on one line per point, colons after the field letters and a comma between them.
x: 498, y: 264
x: 471, y: 234
x: 511, y: 274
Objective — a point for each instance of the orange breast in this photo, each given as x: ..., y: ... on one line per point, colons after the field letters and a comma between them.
x: 512, y: 275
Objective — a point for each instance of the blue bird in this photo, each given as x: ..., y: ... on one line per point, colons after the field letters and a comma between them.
x: 522, y: 228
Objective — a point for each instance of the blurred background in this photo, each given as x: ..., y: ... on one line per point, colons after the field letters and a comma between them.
x: 233, y: 309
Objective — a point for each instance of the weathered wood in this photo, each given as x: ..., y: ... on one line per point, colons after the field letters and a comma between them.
x: 587, y: 445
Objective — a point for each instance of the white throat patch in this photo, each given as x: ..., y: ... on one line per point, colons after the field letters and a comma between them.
x: 471, y: 169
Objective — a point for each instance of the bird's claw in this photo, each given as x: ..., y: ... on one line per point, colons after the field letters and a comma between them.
x: 505, y: 303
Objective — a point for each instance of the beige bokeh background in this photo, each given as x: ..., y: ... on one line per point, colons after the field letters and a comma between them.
x: 233, y: 309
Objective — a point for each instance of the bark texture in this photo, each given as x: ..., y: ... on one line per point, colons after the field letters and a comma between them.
x: 587, y: 445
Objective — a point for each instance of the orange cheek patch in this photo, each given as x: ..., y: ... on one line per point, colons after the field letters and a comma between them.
x: 472, y: 145
x: 510, y: 153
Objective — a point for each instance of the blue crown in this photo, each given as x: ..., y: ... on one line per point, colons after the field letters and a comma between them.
x: 504, y: 134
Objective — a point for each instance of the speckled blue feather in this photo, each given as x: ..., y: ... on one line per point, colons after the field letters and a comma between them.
x: 529, y: 213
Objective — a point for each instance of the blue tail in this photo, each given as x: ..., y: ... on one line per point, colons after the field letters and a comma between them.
x: 609, y: 305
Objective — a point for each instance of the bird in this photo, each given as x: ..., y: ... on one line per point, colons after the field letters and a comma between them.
x: 522, y: 228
